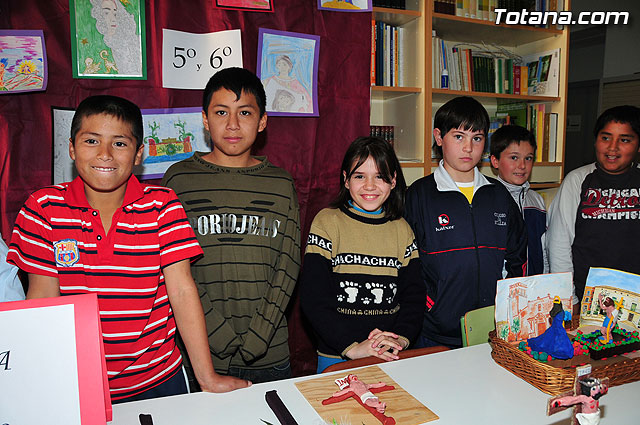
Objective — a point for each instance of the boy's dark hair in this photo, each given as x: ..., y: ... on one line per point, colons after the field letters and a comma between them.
x: 624, y: 114
x: 123, y: 109
x: 508, y: 134
x: 388, y: 166
x: 463, y: 111
x: 237, y: 80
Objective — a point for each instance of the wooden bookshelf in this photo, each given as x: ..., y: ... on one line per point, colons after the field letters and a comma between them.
x: 523, y: 41
x: 446, y: 94
x: 410, y: 109
x: 396, y: 17
x: 404, y: 107
x: 457, y: 28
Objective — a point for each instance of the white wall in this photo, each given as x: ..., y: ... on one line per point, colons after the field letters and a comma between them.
x: 621, y: 52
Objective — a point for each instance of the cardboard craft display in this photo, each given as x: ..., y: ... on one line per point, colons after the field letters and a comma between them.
x: 400, y: 405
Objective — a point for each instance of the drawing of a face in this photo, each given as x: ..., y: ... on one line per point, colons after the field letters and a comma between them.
x: 284, y: 65
x: 283, y: 101
x: 109, y: 13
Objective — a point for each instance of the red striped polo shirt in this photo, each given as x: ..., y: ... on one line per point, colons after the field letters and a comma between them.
x: 58, y: 234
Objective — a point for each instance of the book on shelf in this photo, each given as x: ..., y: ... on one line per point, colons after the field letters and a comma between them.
x: 544, y: 73
x: 470, y: 70
x: 498, y: 121
x: 391, y: 4
x: 373, y: 53
x: 553, y: 137
x: 387, y: 54
x: 485, y: 9
x: 384, y: 132
x: 447, y: 7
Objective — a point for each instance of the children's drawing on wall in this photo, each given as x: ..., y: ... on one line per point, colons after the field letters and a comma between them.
x: 256, y: 5
x: 108, y: 39
x: 611, y: 297
x: 23, y: 61
x: 289, y: 72
x: 523, y: 304
x: 345, y: 5
x: 170, y: 135
x: 63, y: 169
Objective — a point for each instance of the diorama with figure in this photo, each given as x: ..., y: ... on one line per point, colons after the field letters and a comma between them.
x: 533, y: 318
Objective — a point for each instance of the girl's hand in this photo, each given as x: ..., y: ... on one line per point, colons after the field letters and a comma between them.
x: 385, y: 341
x: 365, y: 349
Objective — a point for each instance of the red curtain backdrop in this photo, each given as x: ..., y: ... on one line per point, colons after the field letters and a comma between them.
x: 311, y: 149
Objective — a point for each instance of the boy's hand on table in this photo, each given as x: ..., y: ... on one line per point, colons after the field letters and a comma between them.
x: 223, y: 384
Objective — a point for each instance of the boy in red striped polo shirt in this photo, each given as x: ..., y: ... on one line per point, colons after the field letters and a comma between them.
x: 131, y: 244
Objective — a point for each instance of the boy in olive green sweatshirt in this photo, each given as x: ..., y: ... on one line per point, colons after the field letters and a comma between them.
x: 244, y: 211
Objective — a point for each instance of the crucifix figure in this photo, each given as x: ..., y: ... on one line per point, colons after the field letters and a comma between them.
x: 584, y: 399
x: 351, y: 386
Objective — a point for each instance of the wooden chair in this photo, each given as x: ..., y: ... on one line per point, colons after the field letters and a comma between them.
x: 367, y: 361
x: 476, y: 325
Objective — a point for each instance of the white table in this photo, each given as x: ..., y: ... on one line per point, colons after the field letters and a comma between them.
x: 462, y: 386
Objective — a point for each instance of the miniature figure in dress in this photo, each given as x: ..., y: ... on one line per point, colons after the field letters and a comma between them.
x: 555, y: 340
x: 592, y: 389
x: 610, y: 320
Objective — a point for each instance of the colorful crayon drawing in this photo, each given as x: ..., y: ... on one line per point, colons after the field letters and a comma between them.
x: 259, y: 5
x: 23, y: 61
x: 108, y: 39
x: 289, y: 72
x: 170, y: 135
x: 345, y: 5
x: 523, y: 304
x: 624, y: 290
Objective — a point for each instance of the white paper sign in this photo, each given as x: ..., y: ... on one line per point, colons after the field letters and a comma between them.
x: 189, y: 60
x: 39, y: 375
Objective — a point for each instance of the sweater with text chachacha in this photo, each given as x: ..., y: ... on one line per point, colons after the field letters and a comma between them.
x: 360, y: 272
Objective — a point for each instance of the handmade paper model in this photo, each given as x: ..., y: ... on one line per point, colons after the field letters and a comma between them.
x: 609, y: 322
x: 351, y: 386
x: 584, y: 399
x: 555, y: 340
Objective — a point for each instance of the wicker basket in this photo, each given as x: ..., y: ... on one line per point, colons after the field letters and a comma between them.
x: 554, y: 380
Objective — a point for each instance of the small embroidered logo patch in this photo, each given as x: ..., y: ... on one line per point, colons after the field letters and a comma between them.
x: 66, y: 252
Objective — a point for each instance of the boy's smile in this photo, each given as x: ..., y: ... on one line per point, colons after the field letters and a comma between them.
x: 515, y: 163
x: 616, y: 147
x: 461, y: 151
x: 233, y: 125
x: 104, y: 153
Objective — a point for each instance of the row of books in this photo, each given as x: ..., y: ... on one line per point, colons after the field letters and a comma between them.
x: 387, y: 53
x: 391, y: 4
x: 534, y: 116
x: 485, y: 9
x: 469, y: 70
x: 384, y: 132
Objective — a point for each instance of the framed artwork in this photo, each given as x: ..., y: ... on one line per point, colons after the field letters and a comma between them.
x: 253, y: 5
x: 23, y: 61
x: 289, y: 72
x: 346, y: 5
x: 170, y: 135
x: 108, y: 39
